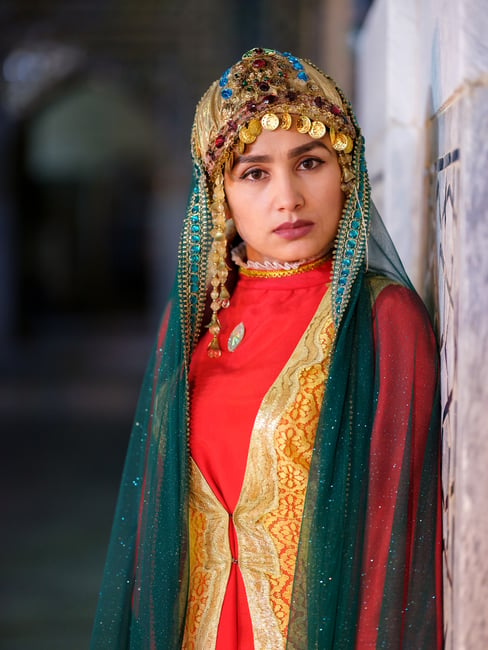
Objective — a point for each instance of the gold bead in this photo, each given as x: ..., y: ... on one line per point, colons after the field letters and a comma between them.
x: 217, y: 207
x: 224, y: 295
x: 347, y: 174
x: 214, y: 351
x: 350, y: 144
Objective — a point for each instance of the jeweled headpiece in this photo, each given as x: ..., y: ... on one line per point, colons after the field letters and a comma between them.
x: 263, y: 90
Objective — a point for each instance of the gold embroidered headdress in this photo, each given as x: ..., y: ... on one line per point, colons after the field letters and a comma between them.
x: 267, y: 90
x: 262, y: 91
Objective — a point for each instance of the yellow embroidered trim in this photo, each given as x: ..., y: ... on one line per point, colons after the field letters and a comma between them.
x: 284, y: 433
x: 282, y: 273
x: 210, y: 561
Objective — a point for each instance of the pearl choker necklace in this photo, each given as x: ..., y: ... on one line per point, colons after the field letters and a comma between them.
x: 238, y: 255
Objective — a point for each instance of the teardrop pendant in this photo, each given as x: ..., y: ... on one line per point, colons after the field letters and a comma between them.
x: 236, y: 337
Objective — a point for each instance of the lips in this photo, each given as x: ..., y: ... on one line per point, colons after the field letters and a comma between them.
x: 294, y: 229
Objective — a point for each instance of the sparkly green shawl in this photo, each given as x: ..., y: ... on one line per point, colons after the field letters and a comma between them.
x: 144, y: 590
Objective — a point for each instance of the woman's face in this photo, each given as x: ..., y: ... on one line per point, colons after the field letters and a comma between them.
x: 284, y: 194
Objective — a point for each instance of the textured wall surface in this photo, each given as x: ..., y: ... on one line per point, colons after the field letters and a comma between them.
x: 422, y: 99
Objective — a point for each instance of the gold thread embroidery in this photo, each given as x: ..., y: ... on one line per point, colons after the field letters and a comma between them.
x: 293, y: 404
x: 210, y: 561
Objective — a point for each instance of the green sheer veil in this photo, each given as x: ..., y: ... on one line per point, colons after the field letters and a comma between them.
x: 144, y: 589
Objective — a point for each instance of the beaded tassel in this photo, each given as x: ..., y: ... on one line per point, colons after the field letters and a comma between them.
x: 218, y: 268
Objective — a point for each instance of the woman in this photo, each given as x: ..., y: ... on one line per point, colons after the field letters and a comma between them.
x: 281, y: 484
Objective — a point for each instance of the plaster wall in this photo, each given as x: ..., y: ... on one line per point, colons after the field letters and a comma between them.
x: 422, y: 99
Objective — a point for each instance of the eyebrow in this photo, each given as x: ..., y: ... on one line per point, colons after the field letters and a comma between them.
x: 293, y: 153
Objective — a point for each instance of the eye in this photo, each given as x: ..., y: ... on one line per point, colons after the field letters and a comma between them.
x: 253, y: 174
x: 310, y: 163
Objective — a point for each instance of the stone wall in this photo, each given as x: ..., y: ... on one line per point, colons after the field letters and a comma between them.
x: 422, y: 98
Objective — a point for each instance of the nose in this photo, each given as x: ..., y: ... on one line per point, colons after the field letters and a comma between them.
x: 288, y: 193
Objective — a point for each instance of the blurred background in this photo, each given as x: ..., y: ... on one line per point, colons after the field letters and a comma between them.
x: 96, y: 105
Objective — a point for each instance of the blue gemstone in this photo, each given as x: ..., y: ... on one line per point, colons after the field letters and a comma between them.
x: 195, y: 249
x: 302, y: 76
x: 338, y: 300
x: 340, y: 291
x: 194, y: 258
x: 346, y: 262
x: 351, y: 243
x: 194, y: 288
x: 195, y: 209
x: 349, y: 253
x: 355, y: 224
x: 195, y: 239
x: 226, y: 93
x: 193, y: 299
x: 338, y: 309
x: 195, y: 228
x: 345, y: 272
x: 194, y: 268
x: 342, y: 281
x: 353, y: 234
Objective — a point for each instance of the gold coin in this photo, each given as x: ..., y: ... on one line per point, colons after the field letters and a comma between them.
x: 254, y: 127
x: 350, y: 145
x: 245, y: 136
x: 270, y: 121
x: 285, y: 121
x: 303, y: 124
x: 317, y: 130
x: 340, y: 142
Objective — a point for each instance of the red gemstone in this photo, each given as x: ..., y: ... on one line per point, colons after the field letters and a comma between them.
x: 259, y: 64
x: 319, y: 102
x: 264, y: 86
x: 335, y: 109
x: 232, y: 125
x: 270, y: 99
x: 291, y: 96
x: 219, y: 141
x: 251, y: 106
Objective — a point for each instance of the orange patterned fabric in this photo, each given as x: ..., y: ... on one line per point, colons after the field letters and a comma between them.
x: 294, y: 441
